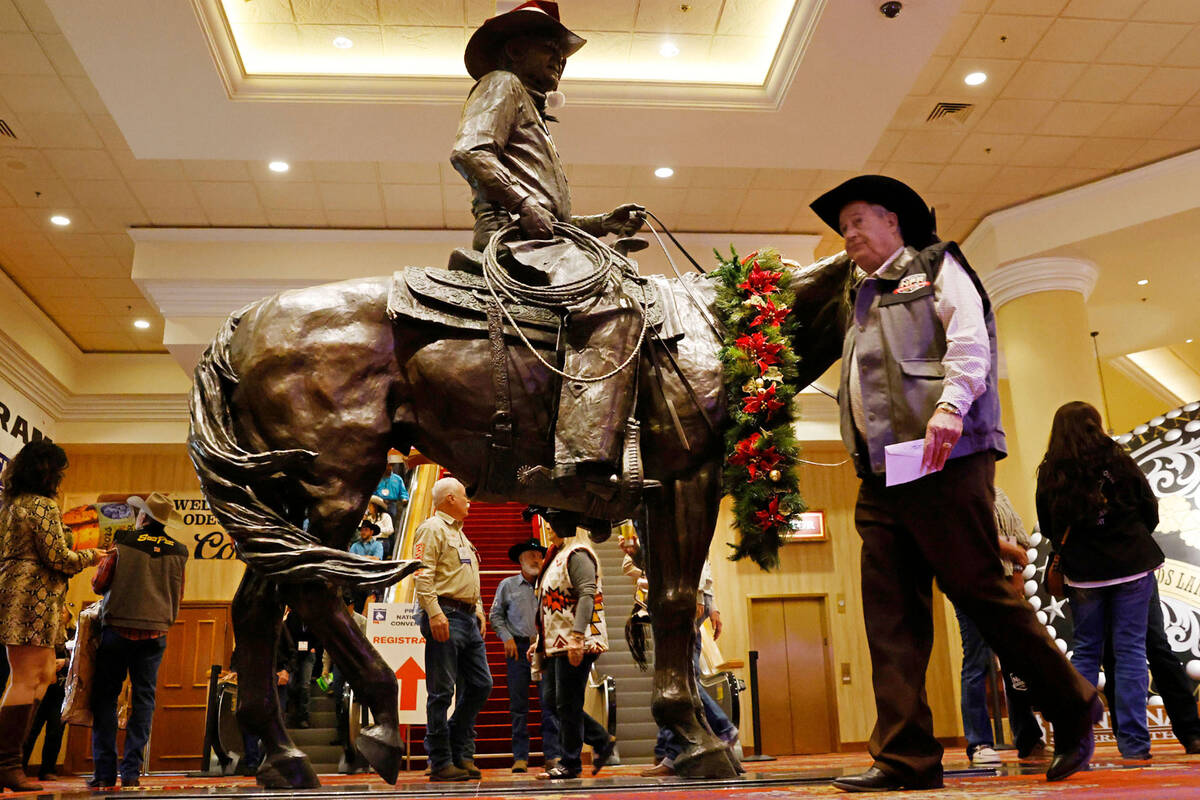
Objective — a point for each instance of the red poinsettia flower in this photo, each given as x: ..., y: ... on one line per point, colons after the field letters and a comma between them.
x: 769, y: 315
x: 770, y: 518
x: 766, y: 401
x: 761, y: 281
x: 759, y: 350
x: 756, y: 461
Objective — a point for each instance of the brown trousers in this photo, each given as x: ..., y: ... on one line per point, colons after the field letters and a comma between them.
x: 942, y: 526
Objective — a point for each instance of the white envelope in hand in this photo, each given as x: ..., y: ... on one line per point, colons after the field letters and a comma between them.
x: 902, y: 462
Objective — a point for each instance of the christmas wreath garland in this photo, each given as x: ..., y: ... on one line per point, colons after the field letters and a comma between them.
x: 761, y: 451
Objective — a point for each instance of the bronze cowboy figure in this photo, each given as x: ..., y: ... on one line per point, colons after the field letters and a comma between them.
x: 505, y: 152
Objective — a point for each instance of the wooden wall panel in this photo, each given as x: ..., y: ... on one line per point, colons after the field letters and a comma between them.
x: 829, y: 568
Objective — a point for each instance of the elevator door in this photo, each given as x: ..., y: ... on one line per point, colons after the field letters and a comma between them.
x: 795, y: 690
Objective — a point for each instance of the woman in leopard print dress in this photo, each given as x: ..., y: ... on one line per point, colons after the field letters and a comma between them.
x: 36, y: 560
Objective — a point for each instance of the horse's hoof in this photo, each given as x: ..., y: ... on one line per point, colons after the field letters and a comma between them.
x: 710, y: 763
x: 289, y: 769
x: 380, y: 745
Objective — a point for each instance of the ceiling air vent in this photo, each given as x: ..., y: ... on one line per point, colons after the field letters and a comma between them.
x: 951, y: 112
x: 6, y: 131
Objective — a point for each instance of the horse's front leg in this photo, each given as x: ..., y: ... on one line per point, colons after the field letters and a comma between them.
x: 257, y: 620
x: 321, y: 606
x: 679, y: 530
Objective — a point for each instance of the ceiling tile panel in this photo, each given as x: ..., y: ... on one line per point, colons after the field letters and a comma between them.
x: 1075, y: 39
x: 952, y: 87
x: 269, y: 37
x: 415, y: 173
x: 1005, y: 36
x: 588, y: 15
x: 6, y: 199
x: 336, y: 12
x: 1107, y: 83
x: 11, y: 20
x: 1104, y: 153
x: 1008, y: 115
x: 597, y: 175
x: 165, y: 194
x: 1043, y: 80
x: 95, y: 194
x: 1021, y: 180
x: 709, y: 202
x: 81, y: 222
x: 106, y: 127
x: 48, y: 286
x: 928, y: 146
x: 1156, y: 150
x: 147, y: 169
x: 222, y: 196
x: 406, y: 197
x: 666, y: 16
x: 178, y: 216
x: 694, y: 47
x: 298, y: 172
x: 89, y: 100
x: 606, y: 46
x: 988, y: 148
x: 427, y: 42
x: 351, y: 196
x: 456, y: 198
x: 741, y: 17
x: 38, y: 191
x: 110, y: 219
x: 289, y: 195
x: 933, y: 71
x: 131, y: 304
x: 89, y: 323
x: 1101, y: 9
x: 316, y: 43
x: 1075, y: 119
x: 78, y: 245
x: 345, y: 171
x: 23, y: 93
x: 52, y: 129
x: 21, y: 54
x: 1169, y: 11
x: 198, y: 170
x: 1133, y: 121
x: 259, y: 11
x: 459, y: 220
x: 1145, y: 43
x: 362, y: 218
x: 956, y: 35
x: 968, y: 177
x: 1070, y: 177
x: 795, y: 179
x: 451, y: 13
x: 61, y: 55
x: 1047, y: 8
x: 1040, y: 151
x: 14, y: 221
x: 665, y: 201
x: 83, y: 164
x: 1185, y: 125
x: 98, y: 267
x: 706, y: 222
x: 108, y: 343
x: 1169, y: 86
x: 37, y: 15
x: 721, y: 177
x: 598, y: 199
x: 478, y: 11
x: 1187, y: 52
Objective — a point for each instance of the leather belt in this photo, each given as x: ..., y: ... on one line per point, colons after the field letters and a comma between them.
x: 450, y: 604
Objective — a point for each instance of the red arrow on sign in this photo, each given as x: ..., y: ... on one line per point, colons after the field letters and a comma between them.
x: 409, y: 673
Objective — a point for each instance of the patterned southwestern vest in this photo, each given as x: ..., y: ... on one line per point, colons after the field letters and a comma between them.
x: 558, y: 600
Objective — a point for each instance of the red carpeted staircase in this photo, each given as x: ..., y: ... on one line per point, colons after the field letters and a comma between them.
x: 493, y: 528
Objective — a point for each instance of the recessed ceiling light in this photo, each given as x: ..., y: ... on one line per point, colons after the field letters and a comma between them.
x: 664, y: 172
x: 278, y: 166
x: 668, y: 50
x: 975, y: 78
x: 1143, y: 281
x: 141, y: 323
x: 343, y: 43
x: 60, y: 220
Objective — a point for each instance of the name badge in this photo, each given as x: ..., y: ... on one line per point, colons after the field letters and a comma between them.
x: 301, y: 645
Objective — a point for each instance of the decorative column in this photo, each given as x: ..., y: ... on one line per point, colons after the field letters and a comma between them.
x: 1045, y: 342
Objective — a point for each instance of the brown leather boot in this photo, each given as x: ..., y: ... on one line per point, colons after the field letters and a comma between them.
x: 14, y: 723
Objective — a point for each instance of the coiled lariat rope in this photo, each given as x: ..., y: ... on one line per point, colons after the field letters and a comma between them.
x: 611, y: 266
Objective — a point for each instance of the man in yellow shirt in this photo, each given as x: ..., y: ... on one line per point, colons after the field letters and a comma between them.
x: 452, y: 620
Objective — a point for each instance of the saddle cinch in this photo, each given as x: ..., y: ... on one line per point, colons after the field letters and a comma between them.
x: 460, y: 300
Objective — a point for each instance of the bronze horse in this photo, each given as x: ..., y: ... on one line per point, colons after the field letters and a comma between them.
x: 298, y: 400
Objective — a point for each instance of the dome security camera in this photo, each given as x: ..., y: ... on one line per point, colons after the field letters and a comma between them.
x: 891, y: 9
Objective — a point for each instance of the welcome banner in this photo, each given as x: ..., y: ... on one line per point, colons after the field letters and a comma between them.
x: 93, y: 519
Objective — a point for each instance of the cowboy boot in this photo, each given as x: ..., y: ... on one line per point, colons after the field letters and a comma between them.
x: 14, y: 724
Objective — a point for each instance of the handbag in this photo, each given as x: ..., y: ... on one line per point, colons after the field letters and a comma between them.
x: 1054, y: 581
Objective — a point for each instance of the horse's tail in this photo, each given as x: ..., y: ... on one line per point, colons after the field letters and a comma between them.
x: 635, y: 637
x: 233, y: 477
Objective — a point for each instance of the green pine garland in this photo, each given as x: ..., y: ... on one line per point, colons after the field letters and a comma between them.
x: 761, y: 451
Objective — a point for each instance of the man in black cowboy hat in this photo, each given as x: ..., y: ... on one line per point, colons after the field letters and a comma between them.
x: 513, y: 618
x: 505, y: 152
x: 919, y: 363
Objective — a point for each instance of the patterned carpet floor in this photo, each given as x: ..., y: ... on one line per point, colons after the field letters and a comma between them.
x: 1170, y: 775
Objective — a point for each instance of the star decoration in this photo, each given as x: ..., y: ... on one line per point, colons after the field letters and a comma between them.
x: 1054, y: 609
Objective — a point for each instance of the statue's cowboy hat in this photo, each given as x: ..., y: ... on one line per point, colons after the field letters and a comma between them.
x: 917, y: 224
x: 157, y: 506
x: 514, y: 552
x: 534, y: 17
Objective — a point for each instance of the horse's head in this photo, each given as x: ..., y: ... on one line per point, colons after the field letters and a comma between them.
x: 822, y: 304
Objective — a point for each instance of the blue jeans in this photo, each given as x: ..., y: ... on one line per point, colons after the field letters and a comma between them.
x: 516, y: 671
x: 299, y: 688
x: 977, y: 726
x: 115, y: 658
x: 1122, y: 609
x: 459, y: 663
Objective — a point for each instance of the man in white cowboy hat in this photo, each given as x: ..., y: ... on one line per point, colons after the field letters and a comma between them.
x: 142, y: 584
x: 919, y: 363
x: 505, y: 152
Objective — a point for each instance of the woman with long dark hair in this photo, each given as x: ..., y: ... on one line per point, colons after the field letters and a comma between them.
x: 36, y: 560
x: 1097, y: 508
